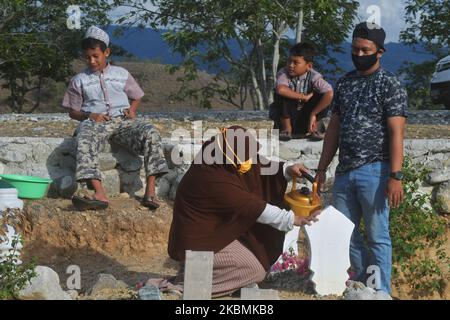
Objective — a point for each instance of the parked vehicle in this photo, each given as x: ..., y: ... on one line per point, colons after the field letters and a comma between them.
x: 440, y: 83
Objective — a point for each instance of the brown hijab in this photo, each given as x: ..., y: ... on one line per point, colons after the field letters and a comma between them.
x: 216, y: 205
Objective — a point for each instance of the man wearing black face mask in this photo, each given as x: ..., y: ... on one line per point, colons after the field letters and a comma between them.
x: 367, y: 125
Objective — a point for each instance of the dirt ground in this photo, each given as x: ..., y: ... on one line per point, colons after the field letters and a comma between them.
x: 127, y: 241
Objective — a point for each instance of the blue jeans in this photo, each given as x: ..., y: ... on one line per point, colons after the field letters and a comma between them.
x: 361, y: 193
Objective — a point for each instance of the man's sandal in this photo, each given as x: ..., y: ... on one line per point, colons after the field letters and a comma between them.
x: 150, y: 202
x: 85, y: 203
x: 285, y: 136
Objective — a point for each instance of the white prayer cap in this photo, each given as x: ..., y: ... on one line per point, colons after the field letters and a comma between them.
x: 97, y: 33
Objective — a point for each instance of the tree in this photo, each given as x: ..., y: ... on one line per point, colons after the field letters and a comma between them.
x: 36, y: 44
x: 428, y: 22
x: 242, y: 40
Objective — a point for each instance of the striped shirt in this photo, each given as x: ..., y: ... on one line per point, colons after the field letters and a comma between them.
x: 107, y: 91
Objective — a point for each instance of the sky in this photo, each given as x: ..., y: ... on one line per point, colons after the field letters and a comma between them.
x: 391, y: 15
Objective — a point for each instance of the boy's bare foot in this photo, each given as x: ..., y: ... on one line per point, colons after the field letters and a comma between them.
x: 100, y: 197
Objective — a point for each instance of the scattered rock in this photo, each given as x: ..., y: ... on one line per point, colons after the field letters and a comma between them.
x: 149, y: 292
x: 113, y: 294
x: 107, y: 281
x: 358, y: 291
x: 124, y: 195
x: 45, y: 286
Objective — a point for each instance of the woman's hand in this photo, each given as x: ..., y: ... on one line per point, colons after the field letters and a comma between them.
x: 296, y: 170
x: 301, y: 221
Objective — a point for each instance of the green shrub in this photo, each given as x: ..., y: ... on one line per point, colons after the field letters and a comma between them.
x: 417, y: 230
x: 14, y: 277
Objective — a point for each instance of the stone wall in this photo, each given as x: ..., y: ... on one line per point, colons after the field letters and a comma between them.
x: 437, y: 117
x: 123, y: 171
x: 55, y: 158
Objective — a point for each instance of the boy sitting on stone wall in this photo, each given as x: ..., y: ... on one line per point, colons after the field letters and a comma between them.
x: 104, y: 98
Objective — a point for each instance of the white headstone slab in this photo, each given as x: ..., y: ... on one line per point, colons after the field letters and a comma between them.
x: 329, y: 241
x: 198, y: 272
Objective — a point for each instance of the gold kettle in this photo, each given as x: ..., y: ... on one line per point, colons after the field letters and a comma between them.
x: 301, y: 202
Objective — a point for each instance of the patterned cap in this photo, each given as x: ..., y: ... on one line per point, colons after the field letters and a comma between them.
x: 97, y: 33
x: 370, y: 31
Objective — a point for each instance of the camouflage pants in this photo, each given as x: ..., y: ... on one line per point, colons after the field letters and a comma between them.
x: 136, y: 135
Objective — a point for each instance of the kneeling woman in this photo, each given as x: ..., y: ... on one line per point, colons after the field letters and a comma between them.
x: 232, y: 206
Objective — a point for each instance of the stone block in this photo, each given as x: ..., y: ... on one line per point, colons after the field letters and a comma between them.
x: 128, y: 161
x: 111, y: 182
x: 106, y: 161
x: 443, y: 197
x: 162, y: 188
x: 130, y: 182
x: 41, y: 152
x: 198, y: 275
x: 439, y: 176
x: 259, y: 294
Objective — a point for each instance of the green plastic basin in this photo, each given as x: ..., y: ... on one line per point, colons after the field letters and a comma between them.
x: 28, y: 187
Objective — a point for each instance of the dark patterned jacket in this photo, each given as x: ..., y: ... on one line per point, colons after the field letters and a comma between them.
x: 364, y: 103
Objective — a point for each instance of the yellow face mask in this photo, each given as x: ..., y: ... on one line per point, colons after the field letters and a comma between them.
x: 244, y: 166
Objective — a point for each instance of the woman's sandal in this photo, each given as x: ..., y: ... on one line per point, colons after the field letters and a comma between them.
x: 150, y: 202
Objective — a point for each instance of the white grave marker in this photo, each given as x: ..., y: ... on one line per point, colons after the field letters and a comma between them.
x: 198, y: 275
x: 329, y: 241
